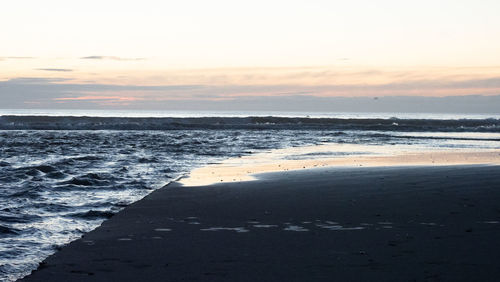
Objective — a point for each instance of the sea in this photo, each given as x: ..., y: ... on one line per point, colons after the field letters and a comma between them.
x: 63, y: 172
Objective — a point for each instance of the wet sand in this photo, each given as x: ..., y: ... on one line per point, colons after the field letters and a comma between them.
x: 338, y: 155
x: 414, y: 223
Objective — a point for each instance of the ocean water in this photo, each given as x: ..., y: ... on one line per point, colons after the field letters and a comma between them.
x: 64, y: 172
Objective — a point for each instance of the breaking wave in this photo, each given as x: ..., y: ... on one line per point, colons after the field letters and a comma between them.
x: 256, y: 122
x: 61, y: 176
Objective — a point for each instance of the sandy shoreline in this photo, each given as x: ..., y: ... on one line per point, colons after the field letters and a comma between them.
x: 410, y: 223
x: 345, y: 155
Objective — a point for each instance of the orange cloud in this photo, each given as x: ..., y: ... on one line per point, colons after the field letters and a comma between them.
x: 111, y: 98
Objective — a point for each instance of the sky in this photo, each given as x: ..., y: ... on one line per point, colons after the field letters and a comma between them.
x: 150, y: 54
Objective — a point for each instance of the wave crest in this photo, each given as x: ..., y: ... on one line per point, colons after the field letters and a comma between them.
x: 287, y: 123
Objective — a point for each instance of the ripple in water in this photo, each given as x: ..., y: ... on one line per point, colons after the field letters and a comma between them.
x: 57, y: 185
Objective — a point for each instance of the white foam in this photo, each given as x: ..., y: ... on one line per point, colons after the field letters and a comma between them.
x: 264, y: 225
x: 339, y: 227
x: 237, y: 229
x: 163, y: 229
x: 296, y: 228
x: 385, y: 223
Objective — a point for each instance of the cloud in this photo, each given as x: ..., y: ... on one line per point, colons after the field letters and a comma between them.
x: 292, y: 103
x: 16, y: 58
x: 55, y: 69
x: 97, y: 98
x: 33, y: 80
x: 63, y: 92
x: 15, y: 93
x: 114, y: 58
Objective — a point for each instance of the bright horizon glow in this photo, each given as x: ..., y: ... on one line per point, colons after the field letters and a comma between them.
x: 324, y: 48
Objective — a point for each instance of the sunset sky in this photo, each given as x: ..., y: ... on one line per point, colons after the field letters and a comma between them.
x: 119, y: 54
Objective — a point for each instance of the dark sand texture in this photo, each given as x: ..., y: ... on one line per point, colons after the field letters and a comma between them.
x: 419, y: 224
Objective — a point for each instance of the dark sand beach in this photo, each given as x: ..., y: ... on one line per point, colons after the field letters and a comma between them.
x: 326, y: 224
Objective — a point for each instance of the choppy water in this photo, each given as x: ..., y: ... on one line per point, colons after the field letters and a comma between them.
x: 57, y: 184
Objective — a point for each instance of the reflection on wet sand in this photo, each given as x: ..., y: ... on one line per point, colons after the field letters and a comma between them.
x: 342, y: 155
